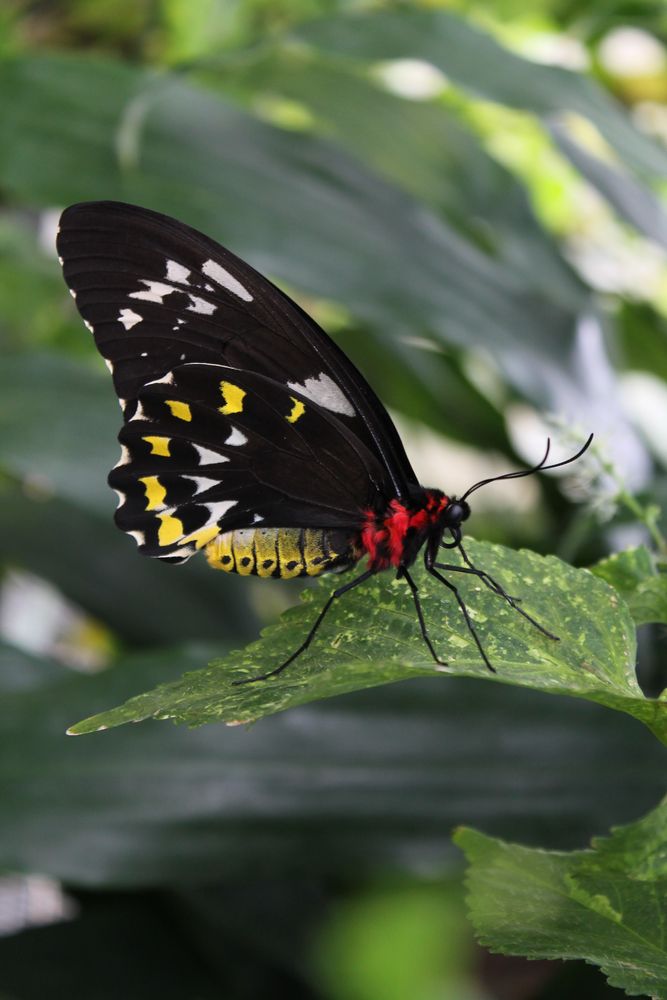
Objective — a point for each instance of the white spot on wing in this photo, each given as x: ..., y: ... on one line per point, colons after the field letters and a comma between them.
x: 168, y: 379
x: 324, y: 391
x: 155, y: 291
x: 88, y: 326
x: 209, y: 457
x: 138, y: 413
x: 256, y: 518
x: 202, y: 483
x: 218, y: 510
x: 144, y: 354
x: 72, y: 293
x: 122, y: 497
x: 109, y: 365
x: 177, y: 272
x: 139, y: 536
x: 124, y: 456
x: 236, y: 438
x: 129, y: 318
x: 182, y: 554
x: 214, y: 270
x: 198, y: 305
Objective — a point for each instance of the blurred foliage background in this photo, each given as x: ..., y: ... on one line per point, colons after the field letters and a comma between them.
x: 470, y: 197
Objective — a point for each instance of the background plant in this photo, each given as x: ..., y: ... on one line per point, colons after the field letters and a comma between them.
x: 484, y: 234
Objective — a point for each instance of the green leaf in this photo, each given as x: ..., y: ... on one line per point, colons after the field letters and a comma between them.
x: 476, y: 62
x: 633, y: 202
x: 437, y: 160
x: 74, y: 128
x: 375, y: 780
x: 58, y: 426
x: 634, y: 575
x: 95, y: 566
x: 607, y: 905
x: 372, y: 637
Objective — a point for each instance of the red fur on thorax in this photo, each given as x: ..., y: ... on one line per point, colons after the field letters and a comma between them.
x: 383, y: 536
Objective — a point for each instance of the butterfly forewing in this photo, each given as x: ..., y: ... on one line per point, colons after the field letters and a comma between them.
x: 157, y: 294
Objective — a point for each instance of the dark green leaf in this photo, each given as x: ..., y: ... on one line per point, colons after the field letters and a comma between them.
x: 633, y: 202
x: 642, y: 331
x: 58, y: 426
x: 634, y: 575
x: 100, y: 570
x: 72, y: 129
x: 21, y: 671
x: 476, y: 62
x: 374, y: 780
x: 437, y: 159
x: 607, y: 905
x: 372, y: 637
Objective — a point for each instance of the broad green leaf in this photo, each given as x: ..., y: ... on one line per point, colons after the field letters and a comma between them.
x: 633, y: 202
x: 434, y: 389
x: 94, y: 565
x: 642, y: 332
x: 607, y: 905
x: 476, y: 62
x: 74, y: 128
x: 371, y: 637
x: 59, y: 421
x: 21, y: 671
x: 437, y: 160
x: 634, y: 575
x: 32, y: 309
x: 372, y: 781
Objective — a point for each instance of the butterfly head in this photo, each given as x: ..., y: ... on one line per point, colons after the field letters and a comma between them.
x: 451, y: 519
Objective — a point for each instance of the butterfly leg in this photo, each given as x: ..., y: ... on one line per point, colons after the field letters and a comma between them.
x: 496, y: 588
x: 311, y: 635
x: 432, y: 569
x: 403, y: 574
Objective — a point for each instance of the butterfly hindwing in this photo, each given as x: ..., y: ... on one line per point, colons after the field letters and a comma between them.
x: 157, y: 294
x: 210, y: 448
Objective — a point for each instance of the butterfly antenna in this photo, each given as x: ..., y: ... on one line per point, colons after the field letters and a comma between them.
x: 540, y: 467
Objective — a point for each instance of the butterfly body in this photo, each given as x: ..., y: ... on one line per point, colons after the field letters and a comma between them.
x: 282, y: 552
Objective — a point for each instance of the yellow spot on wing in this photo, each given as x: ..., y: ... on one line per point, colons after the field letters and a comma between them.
x: 202, y: 536
x: 233, y: 397
x: 159, y: 445
x: 179, y: 409
x: 155, y: 492
x: 170, y: 530
x: 297, y: 411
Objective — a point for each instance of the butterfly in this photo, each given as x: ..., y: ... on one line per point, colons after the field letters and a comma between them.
x: 247, y: 432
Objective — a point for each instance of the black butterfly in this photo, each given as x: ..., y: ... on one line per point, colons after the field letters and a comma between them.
x: 247, y: 432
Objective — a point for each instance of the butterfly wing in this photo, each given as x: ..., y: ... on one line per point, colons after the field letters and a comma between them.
x: 157, y: 294
x: 210, y: 448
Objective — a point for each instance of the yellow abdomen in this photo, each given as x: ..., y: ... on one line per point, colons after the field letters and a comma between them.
x: 280, y: 552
